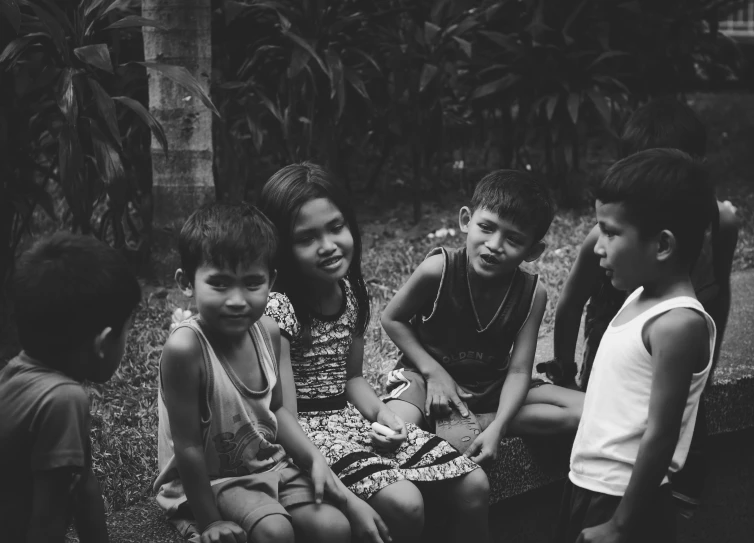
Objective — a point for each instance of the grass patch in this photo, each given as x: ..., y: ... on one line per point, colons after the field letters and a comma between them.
x: 125, y: 415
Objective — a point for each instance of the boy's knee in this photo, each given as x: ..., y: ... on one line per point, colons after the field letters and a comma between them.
x: 273, y: 528
x: 328, y: 525
x: 473, y: 490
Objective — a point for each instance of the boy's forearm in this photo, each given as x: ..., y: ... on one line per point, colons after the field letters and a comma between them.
x: 361, y: 394
x: 89, y: 511
x: 405, y: 339
x: 652, y: 463
x: 566, y: 334
x: 293, y: 439
x: 512, y: 396
x: 197, y: 486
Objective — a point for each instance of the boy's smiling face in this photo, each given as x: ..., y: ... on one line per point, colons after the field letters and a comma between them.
x: 496, y: 246
x: 626, y: 257
x: 230, y: 301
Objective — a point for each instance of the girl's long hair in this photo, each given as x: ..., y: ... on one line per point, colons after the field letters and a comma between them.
x: 282, y: 197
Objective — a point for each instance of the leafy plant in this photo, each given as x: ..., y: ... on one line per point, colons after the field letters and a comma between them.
x: 63, y: 120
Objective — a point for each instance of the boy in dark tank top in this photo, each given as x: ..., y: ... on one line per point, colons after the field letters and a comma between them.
x: 467, y: 322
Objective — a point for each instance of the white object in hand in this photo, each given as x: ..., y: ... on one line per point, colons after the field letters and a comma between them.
x: 383, y: 430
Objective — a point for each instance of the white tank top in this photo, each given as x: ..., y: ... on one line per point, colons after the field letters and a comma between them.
x: 616, y: 406
x: 238, y: 427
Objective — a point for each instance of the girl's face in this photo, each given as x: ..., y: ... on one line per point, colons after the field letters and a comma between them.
x: 322, y: 241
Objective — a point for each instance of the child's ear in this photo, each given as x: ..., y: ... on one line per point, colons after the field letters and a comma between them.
x: 273, y: 276
x: 536, y: 251
x: 464, y: 217
x: 667, y: 245
x: 183, y: 282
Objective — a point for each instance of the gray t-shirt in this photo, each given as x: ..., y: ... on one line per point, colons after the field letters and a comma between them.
x: 44, y: 426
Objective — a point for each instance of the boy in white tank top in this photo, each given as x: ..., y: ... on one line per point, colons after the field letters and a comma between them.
x: 654, y: 359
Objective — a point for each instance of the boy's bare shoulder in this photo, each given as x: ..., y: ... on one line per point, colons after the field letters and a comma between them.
x: 432, y: 267
x: 182, y: 347
x: 681, y: 324
x: 729, y: 222
x: 273, y: 330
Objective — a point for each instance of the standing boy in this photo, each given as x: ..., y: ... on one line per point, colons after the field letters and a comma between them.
x: 467, y: 322
x: 73, y: 298
x: 224, y: 436
x: 655, y: 356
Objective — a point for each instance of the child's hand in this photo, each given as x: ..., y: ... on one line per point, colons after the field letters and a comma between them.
x: 366, y: 524
x: 178, y: 316
x: 325, y: 483
x: 444, y: 394
x: 603, y: 533
x: 485, y: 447
x: 223, y: 531
x: 384, y: 443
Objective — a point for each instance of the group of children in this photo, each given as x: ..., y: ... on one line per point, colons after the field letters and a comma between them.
x: 268, y: 430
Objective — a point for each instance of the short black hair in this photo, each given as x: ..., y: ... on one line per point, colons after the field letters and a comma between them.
x: 226, y: 235
x: 516, y: 196
x: 66, y: 289
x: 663, y: 189
x: 664, y: 123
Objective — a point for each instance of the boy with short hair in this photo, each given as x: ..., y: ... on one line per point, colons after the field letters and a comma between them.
x: 467, y: 324
x: 73, y: 299
x: 224, y: 436
x: 654, y: 359
x: 660, y: 123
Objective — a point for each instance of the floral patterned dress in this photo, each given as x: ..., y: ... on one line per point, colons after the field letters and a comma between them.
x: 337, y: 428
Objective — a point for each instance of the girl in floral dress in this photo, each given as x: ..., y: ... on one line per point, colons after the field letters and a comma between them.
x: 322, y: 308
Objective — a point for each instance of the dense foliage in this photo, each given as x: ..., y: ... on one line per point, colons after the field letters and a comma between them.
x: 355, y: 84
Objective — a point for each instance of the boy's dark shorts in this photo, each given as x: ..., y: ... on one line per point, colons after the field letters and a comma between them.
x: 581, y: 508
x: 248, y: 499
x: 409, y: 386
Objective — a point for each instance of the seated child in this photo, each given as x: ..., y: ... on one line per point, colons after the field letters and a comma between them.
x: 226, y: 445
x: 661, y: 123
x: 467, y: 322
x: 73, y: 298
x: 654, y: 358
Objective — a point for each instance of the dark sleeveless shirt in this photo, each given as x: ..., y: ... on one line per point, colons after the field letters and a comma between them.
x: 476, y: 355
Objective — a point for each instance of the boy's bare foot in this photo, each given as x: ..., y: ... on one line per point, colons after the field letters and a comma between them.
x: 457, y: 430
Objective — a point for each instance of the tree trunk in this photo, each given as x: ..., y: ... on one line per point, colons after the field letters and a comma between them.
x: 182, y: 180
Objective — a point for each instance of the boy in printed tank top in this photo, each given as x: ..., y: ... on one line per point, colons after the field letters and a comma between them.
x: 225, y: 442
x: 467, y: 323
x: 655, y: 356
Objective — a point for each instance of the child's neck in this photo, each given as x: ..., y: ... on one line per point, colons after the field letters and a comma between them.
x: 224, y: 343
x: 670, y: 285
x: 324, y: 297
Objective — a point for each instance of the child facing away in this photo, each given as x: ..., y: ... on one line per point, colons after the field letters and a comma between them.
x: 73, y: 298
x: 467, y: 321
x: 322, y: 308
x: 654, y: 358
x: 661, y: 123
x: 226, y: 444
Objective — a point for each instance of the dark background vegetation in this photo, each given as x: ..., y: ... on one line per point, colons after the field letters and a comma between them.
x: 408, y: 101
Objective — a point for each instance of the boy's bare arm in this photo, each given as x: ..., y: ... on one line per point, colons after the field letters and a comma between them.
x: 51, y: 507
x: 573, y: 298
x: 679, y: 343
x: 420, y: 290
x: 516, y: 384
x: 723, y: 253
x: 89, y: 510
x: 181, y: 374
